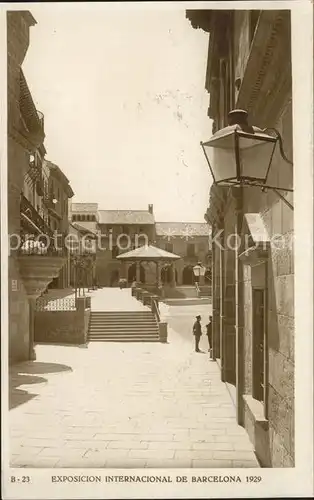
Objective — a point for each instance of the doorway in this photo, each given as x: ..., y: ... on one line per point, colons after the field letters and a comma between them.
x: 188, y: 276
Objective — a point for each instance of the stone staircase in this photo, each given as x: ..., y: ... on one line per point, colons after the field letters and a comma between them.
x: 205, y: 291
x: 123, y: 326
x: 181, y: 292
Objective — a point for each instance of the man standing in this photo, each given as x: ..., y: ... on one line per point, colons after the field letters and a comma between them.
x: 197, y: 332
x: 209, y: 328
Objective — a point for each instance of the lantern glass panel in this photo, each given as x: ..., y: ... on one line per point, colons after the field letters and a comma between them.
x: 196, y: 270
x: 221, y: 156
x: 255, y: 157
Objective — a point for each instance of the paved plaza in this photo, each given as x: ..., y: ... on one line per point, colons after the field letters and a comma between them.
x: 126, y: 406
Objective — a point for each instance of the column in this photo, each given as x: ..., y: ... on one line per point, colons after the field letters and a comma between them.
x: 138, y: 272
x: 221, y: 308
x: 173, y: 275
x: 215, y: 347
x: 229, y: 331
x: 158, y: 273
x: 239, y: 323
x: 32, y: 303
x: 124, y: 270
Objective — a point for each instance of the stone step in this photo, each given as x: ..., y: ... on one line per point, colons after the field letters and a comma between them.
x: 124, y: 333
x: 123, y: 326
x: 124, y: 339
x: 125, y: 323
x: 126, y: 326
x: 122, y: 314
x: 117, y: 330
x: 188, y: 301
x: 118, y: 311
x: 122, y: 318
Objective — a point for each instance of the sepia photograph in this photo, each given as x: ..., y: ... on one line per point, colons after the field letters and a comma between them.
x: 151, y: 242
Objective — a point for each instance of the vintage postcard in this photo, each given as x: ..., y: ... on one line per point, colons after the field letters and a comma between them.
x: 157, y: 249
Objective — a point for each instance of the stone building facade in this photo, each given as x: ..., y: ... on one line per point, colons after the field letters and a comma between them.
x: 191, y: 242
x: 58, y: 192
x: 249, y: 67
x: 24, y: 130
x: 30, y: 269
x: 129, y: 229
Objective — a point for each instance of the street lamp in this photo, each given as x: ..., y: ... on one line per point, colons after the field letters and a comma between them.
x: 241, y: 155
x: 199, y: 271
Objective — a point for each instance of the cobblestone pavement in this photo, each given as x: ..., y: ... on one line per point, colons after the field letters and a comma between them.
x: 136, y: 405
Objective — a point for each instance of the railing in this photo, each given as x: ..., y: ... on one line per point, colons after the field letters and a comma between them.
x: 62, y: 304
x: 29, y: 211
x: 155, y: 309
x: 43, y: 244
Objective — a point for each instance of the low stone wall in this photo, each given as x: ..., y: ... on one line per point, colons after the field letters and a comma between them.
x: 62, y: 327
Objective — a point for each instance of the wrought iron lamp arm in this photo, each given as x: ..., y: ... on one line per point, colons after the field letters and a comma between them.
x: 284, y: 157
x: 278, y: 136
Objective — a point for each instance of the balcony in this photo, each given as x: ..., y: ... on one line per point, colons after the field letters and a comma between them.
x: 41, y: 255
x: 31, y: 220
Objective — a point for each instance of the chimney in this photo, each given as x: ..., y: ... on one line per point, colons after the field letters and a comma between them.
x: 151, y: 209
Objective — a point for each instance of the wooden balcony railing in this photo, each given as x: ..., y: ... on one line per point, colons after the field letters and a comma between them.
x: 30, y: 214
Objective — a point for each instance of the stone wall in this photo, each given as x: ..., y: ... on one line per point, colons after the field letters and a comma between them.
x: 228, y: 360
x: 262, y: 66
x: 180, y: 248
x: 278, y: 219
x: 18, y: 315
x: 61, y: 327
x: 18, y: 24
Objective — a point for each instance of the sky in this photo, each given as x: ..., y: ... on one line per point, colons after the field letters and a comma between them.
x: 125, y: 107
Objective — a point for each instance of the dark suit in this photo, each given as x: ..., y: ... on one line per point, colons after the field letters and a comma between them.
x: 197, y: 332
x: 209, y: 334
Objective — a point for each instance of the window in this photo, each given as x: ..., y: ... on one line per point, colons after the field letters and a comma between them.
x: 169, y: 247
x: 125, y: 229
x: 190, y: 250
x: 258, y: 364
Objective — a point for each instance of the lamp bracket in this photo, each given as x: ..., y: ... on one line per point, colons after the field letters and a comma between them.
x: 278, y: 135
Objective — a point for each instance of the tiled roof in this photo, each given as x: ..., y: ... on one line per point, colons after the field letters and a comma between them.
x: 125, y: 217
x: 27, y: 106
x: 180, y: 228
x: 84, y: 207
x: 148, y: 252
x: 82, y: 229
x: 57, y: 172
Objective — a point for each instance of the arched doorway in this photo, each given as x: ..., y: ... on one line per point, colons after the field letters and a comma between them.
x: 166, y: 274
x: 132, y: 273
x: 188, y: 276
x: 114, y: 277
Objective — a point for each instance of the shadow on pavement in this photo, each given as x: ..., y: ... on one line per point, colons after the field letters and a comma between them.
x: 35, y: 367
x: 18, y: 396
x: 27, y: 374
x: 57, y: 344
